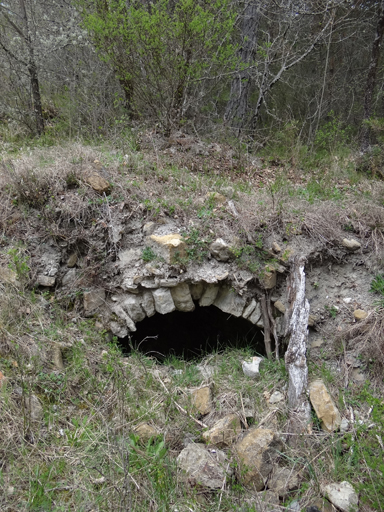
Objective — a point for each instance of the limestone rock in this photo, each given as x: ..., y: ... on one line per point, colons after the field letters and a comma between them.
x: 206, y: 370
x: 256, y: 316
x: 170, y: 247
x: 118, y: 329
x: 163, y: 301
x: 69, y: 277
x: 149, y: 228
x: 283, y: 481
x: 209, y: 295
x: 33, y: 407
x: 344, y: 426
x: 93, y: 299
x: 317, y: 343
x: 145, y: 432
x: 201, y: 399
x: 182, y: 298
x: 268, y: 279
x: 98, y: 183
x: 276, y: 247
x: 72, y: 260
x: 196, y: 290
x: 276, y: 397
x: 224, y: 432
x: 230, y: 302
x: 119, y: 311
x: 203, y: 467
x: 360, y: 314
x: 256, y: 453
x: 47, y: 281
x: 342, y: 495
x: 351, y: 244
x: 251, y: 368
x: 132, y: 306
x: 249, y: 309
x: 324, y: 406
x: 280, y: 306
x: 57, y: 358
x: 220, y: 250
x: 7, y: 275
x: 148, y: 303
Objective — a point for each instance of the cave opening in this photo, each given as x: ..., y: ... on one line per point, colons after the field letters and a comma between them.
x: 192, y: 335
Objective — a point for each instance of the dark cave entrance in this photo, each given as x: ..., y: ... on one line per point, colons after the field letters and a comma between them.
x: 192, y: 335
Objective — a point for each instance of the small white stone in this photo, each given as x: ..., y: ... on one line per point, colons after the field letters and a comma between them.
x: 251, y: 368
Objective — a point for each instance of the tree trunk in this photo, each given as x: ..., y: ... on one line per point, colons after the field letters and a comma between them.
x: 296, y: 328
x: 32, y: 70
x: 236, y: 114
x: 371, y: 77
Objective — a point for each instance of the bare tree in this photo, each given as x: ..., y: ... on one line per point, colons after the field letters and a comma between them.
x: 19, y: 23
x: 371, y: 76
x: 237, y: 111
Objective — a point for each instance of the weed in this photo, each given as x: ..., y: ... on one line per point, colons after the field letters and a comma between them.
x: 377, y: 286
x: 148, y: 254
x: 19, y: 263
x: 332, y: 310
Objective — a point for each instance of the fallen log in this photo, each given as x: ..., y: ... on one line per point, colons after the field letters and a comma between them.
x: 296, y: 333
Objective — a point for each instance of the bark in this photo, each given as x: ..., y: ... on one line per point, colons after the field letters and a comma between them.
x: 296, y: 329
x: 371, y: 77
x: 237, y: 111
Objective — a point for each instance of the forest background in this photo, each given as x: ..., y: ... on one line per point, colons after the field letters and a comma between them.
x: 267, y: 73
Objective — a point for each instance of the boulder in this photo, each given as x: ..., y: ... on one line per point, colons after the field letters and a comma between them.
x: 249, y: 309
x: 342, y: 495
x: 57, y: 357
x: 196, y: 290
x: 230, y: 302
x: 256, y: 452
x: 148, y: 303
x: 72, y: 260
x: 69, y: 277
x: 224, y: 432
x: 47, y: 281
x: 209, y: 295
x: 182, y: 297
x: 276, y: 397
x: 360, y: 314
x: 33, y: 406
x: 170, y: 247
x: 268, y: 279
x: 98, y: 183
x: 118, y: 329
x: 351, y: 244
x: 280, y: 306
x: 132, y: 306
x: 120, y: 313
x: 201, y: 399
x: 283, y: 481
x: 324, y: 406
x: 220, y: 250
x: 145, y: 432
x: 203, y: 467
x: 163, y: 301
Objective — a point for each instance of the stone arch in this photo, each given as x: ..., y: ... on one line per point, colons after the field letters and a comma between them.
x: 127, y: 309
